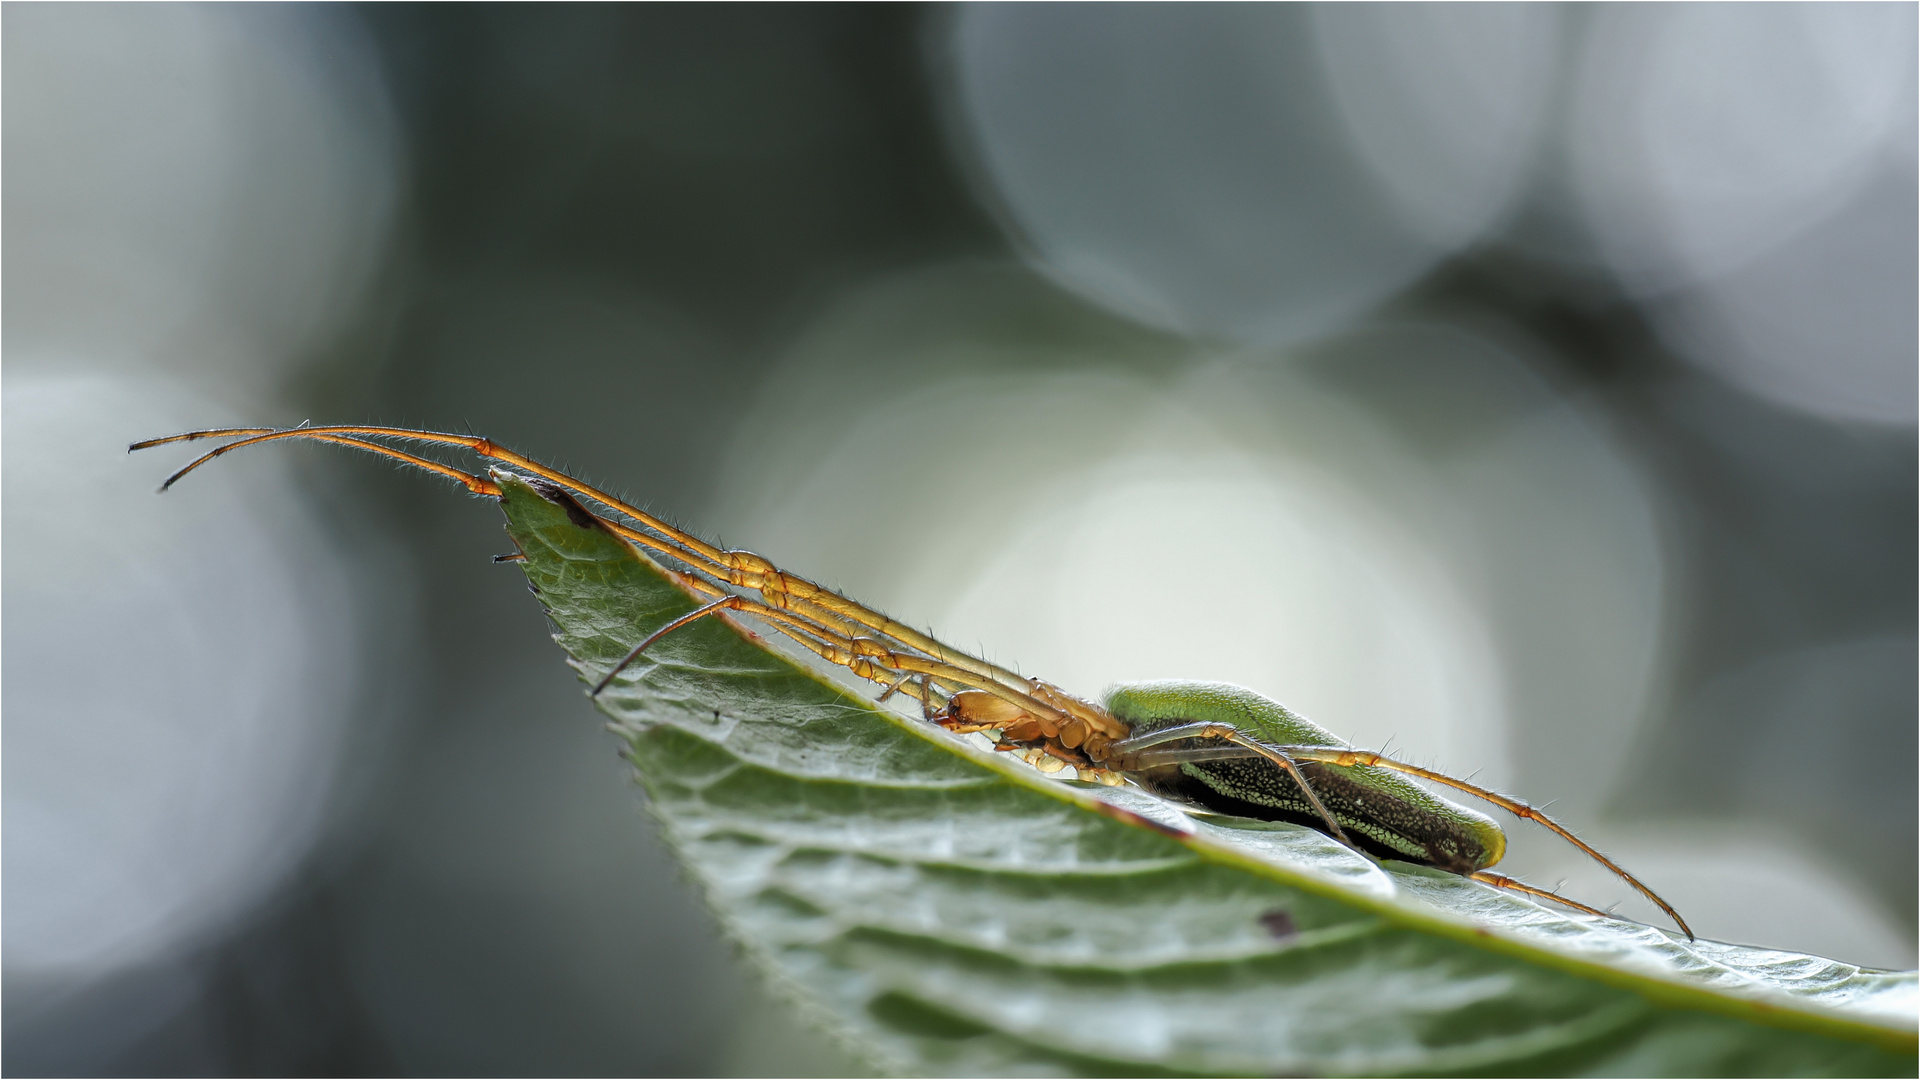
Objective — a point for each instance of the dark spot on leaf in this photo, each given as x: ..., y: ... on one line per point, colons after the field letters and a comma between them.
x: 511, y: 556
x: 1279, y: 923
x: 560, y: 497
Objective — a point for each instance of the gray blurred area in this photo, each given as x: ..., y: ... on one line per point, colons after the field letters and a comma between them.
x: 1528, y: 388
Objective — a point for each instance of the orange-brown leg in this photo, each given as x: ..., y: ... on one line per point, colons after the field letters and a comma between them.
x: 739, y: 568
x: 930, y: 699
x: 475, y: 484
x: 820, y: 620
x: 1502, y: 881
x: 1505, y: 802
x: 863, y: 656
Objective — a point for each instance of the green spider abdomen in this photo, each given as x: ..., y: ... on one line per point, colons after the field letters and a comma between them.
x: 1378, y: 822
x: 1382, y: 812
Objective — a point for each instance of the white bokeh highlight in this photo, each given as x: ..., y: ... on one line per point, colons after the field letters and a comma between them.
x: 177, y: 673
x: 1825, y: 322
x: 1268, y: 174
x: 1706, y: 134
x: 204, y: 189
x: 197, y: 199
x: 1220, y: 566
x: 1445, y: 103
x: 1259, y: 172
x: 1749, y: 171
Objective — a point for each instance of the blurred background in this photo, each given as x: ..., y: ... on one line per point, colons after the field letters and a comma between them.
x: 1529, y: 389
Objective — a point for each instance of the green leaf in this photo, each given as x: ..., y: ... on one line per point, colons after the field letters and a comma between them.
x: 948, y: 910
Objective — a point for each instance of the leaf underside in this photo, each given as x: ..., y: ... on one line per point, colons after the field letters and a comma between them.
x: 946, y: 910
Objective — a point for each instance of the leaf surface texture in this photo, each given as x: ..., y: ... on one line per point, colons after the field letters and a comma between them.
x: 948, y: 910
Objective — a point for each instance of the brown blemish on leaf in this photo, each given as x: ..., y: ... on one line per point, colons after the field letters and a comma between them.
x: 1279, y: 923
